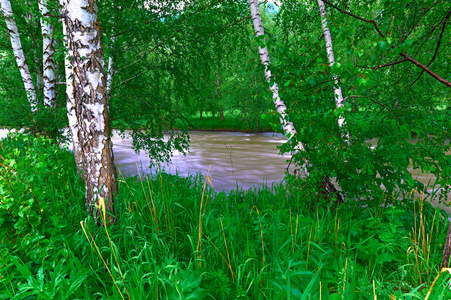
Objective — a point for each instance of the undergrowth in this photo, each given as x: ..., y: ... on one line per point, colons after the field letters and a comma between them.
x: 233, y: 121
x: 175, y: 238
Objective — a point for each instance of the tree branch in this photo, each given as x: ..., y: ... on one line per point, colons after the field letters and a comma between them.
x: 426, y: 69
x: 357, y: 17
x: 233, y: 24
x: 390, y: 64
x: 436, y: 49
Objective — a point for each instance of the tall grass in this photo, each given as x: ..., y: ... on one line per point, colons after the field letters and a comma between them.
x: 176, y: 239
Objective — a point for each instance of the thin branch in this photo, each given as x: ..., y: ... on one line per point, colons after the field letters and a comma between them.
x: 436, y: 49
x: 54, y: 16
x: 357, y: 17
x: 147, y: 22
x: 142, y: 56
x: 390, y: 64
x: 233, y: 24
x: 426, y: 69
x: 352, y: 96
x: 129, y: 79
x: 413, y: 27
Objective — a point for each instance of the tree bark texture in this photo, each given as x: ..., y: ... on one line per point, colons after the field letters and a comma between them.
x: 91, y: 104
x: 281, y: 108
x: 330, y: 57
x: 111, y: 71
x: 447, y: 249
x: 18, y: 54
x: 70, y: 100
x: 49, y: 66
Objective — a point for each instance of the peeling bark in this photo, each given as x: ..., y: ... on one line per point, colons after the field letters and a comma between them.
x: 110, y: 76
x: 18, y: 54
x: 111, y: 72
x: 281, y: 108
x: 49, y: 66
x: 91, y: 105
x: 330, y: 57
x: 70, y: 100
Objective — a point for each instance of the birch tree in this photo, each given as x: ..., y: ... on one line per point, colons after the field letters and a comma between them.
x: 281, y: 108
x: 91, y: 104
x: 19, y: 55
x: 288, y: 126
x: 70, y: 100
x: 331, y: 58
x: 49, y: 80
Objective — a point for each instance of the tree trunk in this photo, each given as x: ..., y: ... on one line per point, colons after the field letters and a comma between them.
x: 48, y: 57
x: 221, y: 114
x: 218, y: 93
x: 111, y: 72
x: 91, y: 106
x: 288, y: 126
x: 70, y: 100
x: 330, y: 57
x: 200, y: 113
x: 39, y: 77
x: 447, y: 249
x: 18, y: 54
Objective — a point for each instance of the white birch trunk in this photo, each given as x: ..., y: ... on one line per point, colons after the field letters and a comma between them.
x: 49, y: 66
x: 70, y: 99
x: 91, y: 104
x: 110, y: 76
x: 18, y: 54
x: 281, y: 108
x: 339, y: 102
x: 111, y: 72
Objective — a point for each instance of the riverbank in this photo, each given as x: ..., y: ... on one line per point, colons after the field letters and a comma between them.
x: 174, y: 237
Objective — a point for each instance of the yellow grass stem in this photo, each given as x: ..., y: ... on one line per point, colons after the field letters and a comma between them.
x: 101, y: 257
x: 320, y: 296
x: 435, y: 280
x: 261, y: 233
x: 102, y: 207
x: 154, y: 207
x: 374, y: 290
x: 227, y: 249
x: 222, y: 256
x: 309, y: 241
x: 201, y: 213
x: 337, y: 228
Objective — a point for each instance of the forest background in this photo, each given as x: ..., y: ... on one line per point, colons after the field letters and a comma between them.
x: 179, y: 65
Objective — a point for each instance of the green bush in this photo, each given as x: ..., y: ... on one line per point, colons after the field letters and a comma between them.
x: 30, y: 170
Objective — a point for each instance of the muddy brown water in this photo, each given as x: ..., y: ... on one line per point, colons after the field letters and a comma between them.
x: 233, y: 159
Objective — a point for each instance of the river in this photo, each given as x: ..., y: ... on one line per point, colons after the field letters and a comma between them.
x: 233, y: 159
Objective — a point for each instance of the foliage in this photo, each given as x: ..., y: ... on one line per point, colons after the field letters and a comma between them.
x: 387, y: 100
x: 175, y: 238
